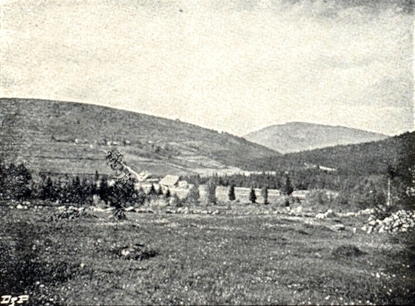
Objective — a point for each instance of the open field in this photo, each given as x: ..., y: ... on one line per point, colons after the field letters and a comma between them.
x: 201, y: 259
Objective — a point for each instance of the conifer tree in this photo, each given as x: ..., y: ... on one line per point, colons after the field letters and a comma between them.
x: 152, y: 191
x: 288, y: 188
x: 159, y: 191
x: 211, y: 192
x: 104, y: 190
x: 252, y: 195
x: 264, y: 193
x: 231, y: 193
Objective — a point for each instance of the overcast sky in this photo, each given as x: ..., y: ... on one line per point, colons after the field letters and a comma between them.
x: 235, y: 66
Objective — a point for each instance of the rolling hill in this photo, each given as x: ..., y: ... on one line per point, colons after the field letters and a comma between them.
x: 301, y: 136
x: 66, y: 137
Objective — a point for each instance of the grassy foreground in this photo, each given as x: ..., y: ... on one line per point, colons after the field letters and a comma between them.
x: 201, y: 259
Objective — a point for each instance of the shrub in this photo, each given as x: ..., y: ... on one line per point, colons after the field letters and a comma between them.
x: 167, y: 194
x: 119, y: 213
x: 175, y: 201
x: 347, y: 251
x: 193, y: 196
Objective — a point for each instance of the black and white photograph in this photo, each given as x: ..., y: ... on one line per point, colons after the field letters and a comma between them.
x: 207, y: 152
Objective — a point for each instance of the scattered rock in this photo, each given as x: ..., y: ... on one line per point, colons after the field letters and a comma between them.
x: 328, y: 214
x: 367, y: 211
x: 134, y: 252
x: 350, y: 214
x: 98, y: 209
x: 338, y: 227
x: 400, y: 221
x: 70, y: 213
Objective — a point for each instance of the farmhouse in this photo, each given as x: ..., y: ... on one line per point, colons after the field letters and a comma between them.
x: 170, y: 181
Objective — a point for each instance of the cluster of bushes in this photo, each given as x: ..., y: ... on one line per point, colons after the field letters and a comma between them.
x: 65, y: 190
x: 16, y: 183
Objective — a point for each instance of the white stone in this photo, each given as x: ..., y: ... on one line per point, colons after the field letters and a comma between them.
x: 338, y: 227
x: 298, y: 209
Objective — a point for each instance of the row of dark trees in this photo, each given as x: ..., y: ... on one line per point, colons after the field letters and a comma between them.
x: 239, y: 180
x: 354, y: 190
x: 252, y: 194
x: 300, y: 180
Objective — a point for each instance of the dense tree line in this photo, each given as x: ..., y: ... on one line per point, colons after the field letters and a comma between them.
x: 16, y: 183
x: 299, y: 180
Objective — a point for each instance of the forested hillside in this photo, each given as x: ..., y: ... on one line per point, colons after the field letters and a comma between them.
x: 359, y: 159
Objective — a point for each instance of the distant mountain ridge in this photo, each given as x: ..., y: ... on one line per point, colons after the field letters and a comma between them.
x: 67, y: 137
x: 301, y: 136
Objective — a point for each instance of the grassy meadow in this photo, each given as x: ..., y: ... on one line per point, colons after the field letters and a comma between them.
x: 201, y: 259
